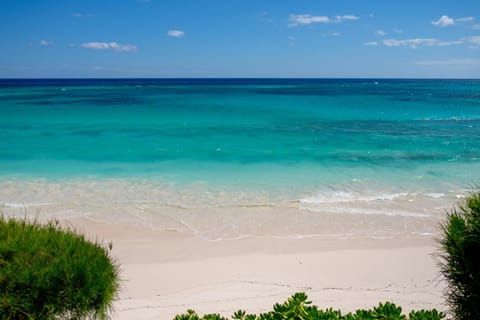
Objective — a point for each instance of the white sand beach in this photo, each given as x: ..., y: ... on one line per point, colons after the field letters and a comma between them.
x: 164, y: 273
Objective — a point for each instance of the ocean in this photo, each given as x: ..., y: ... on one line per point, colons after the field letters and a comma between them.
x: 227, y: 158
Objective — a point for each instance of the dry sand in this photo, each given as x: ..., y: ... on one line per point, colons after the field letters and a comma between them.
x: 164, y: 273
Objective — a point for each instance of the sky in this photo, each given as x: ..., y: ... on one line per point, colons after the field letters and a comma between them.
x: 233, y: 38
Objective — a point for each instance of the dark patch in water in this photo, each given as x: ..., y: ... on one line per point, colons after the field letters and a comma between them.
x: 89, y: 133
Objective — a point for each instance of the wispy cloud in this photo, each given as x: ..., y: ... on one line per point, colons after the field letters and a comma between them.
x: 46, y: 43
x: 81, y: 15
x: 449, y: 62
x: 176, y: 33
x: 449, y: 43
x: 109, y: 46
x: 445, y: 21
x: 265, y: 17
x: 476, y: 27
x: 332, y: 34
x: 345, y: 18
x: 420, y: 42
x: 426, y: 42
x: 306, y: 19
x: 380, y: 33
x: 409, y: 42
x: 465, y: 19
x: 474, y: 40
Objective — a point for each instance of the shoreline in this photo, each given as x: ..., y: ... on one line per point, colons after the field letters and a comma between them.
x: 164, y: 273
x: 227, y: 215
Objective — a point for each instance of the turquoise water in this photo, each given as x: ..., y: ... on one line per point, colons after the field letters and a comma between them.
x: 361, y: 146
x: 223, y: 130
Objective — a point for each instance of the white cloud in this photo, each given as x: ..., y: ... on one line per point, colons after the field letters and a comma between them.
x: 419, y: 42
x: 46, y: 43
x: 306, y: 19
x: 371, y: 43
x: 303, y: 19
x: 380, y: 33
x: 450, y: 62
x: 109, y: 46
x: 445, y: 21
x: 176, y: 33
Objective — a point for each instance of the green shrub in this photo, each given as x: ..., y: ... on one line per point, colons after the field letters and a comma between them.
x: 47, y: 272
x: 298, y: 307
x: 388, y: 311
x: 425, y: 315
x: 460, y: 258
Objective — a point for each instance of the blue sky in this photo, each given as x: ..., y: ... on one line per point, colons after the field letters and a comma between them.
x: 233, y: 38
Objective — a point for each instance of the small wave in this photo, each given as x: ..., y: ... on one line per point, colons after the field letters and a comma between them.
x: 23, y: 205
x: 451, y: 119
x: 367, y: 211
x: 216, y: 206
x: 13, y: 205
x: 426, y: 234
x: 435, y: 195
x: 342, y: 196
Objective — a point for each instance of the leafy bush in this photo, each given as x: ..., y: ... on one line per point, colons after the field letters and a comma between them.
x: 425, y: 315
x: 460, y: 260
x: 298, y: 307
x: 47, y: 272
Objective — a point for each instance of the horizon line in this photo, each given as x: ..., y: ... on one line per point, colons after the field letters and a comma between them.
x: 237, y: 78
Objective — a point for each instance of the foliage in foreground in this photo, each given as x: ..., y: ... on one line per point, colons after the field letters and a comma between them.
x: 298, y: 307
x: 47, y: 272
x: 460, y: 260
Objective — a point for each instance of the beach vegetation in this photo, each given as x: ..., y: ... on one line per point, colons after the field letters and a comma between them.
x: 425, y: 315
x: 460, y: 258
x: 298, y: 307
x: 51, y: 272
